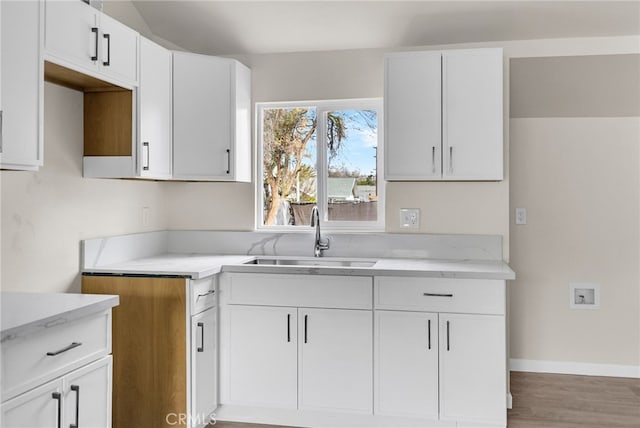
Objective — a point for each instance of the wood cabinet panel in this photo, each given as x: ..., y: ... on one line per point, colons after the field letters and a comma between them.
x: 149, y: 348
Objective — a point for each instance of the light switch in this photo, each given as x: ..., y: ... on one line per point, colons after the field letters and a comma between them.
x: 521, y: 216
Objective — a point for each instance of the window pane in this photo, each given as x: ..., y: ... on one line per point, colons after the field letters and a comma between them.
x: 352, y: 182
x: 289, y: 165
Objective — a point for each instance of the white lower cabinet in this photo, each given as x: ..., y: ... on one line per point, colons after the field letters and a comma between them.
x: 437, y: 364
x: 406, y: 352
x: 335, y: 359
x: 472, y: 368
x: 297, y: 357
x: 37, y: 408
x: 263, y: 356
x: 313, y: 352
x: 204, y: 360
x: 81, y: 398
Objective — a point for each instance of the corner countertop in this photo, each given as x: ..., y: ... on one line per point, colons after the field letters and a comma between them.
x: 198, y: 266
x: 27, y: 313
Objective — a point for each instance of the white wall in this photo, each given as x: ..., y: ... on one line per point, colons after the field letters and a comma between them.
x: 579, y: 179
x: 46, y: 214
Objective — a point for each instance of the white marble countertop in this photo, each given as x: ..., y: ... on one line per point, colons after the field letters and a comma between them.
x: 195, y: 266
x: 198, y: 266
x: 25, y: 313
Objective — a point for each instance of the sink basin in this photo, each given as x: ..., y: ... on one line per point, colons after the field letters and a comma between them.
x: 311, y: 262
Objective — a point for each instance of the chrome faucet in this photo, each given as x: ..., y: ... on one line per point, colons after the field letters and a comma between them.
x: 320, y: 244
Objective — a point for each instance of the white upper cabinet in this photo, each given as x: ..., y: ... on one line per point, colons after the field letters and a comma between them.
x: 211, y: 118
x: 472, y: 114
x: 413, y: 116
x: 444, y: 115
x: 154, y: 111
x: 72, y: 33
x: 119, y: 50
x: 21, y: 86
x: 80, y: 37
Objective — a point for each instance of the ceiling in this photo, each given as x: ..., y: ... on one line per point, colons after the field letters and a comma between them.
x: 250, y: 27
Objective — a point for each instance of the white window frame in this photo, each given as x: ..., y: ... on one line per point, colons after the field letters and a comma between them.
x: 322, y: 107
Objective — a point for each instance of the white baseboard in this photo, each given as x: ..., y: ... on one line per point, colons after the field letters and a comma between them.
x: 567, y: 367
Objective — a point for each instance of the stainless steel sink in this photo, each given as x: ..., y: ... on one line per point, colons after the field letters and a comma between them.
x: 311, y: 262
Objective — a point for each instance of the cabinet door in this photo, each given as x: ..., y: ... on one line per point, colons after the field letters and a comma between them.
x: 335, y: 359
x: 22, y: 86
x: 154, y: 104
x: 262, y: 356
x: 412, y: 116
x: 406, y: 364
x: 202, y: 119
x: 204, y: 363
x: 72, y: 32
x: 472, y: 114
x: 118, y: 50
x: 473, y: 368
x: 87, y: 395
x: 38, y: 408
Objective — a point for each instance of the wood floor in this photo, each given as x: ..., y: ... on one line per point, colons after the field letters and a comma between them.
x: 542, y: 400
x: 550, y: 400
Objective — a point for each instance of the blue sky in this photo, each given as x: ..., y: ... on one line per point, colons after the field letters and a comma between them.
x: 358, y: 148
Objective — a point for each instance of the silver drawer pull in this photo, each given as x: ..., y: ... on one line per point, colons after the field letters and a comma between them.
x: 205, y: 294
x: 68, y: 348
x: 437, y: 295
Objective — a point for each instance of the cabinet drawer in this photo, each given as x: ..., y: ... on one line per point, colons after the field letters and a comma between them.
x: 34, y: 359
x: 474, y: 296
x: 311, y: 291
x: 203, y: 294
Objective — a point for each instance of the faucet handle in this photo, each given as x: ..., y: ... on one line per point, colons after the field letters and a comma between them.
x: 324, y: 244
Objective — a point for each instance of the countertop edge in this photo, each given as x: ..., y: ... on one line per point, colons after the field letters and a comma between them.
x: 502, y: 271
x: 60, y: 318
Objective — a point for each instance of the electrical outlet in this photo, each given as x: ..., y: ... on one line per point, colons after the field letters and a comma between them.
x: 521, y: 216
x: 584, y: 296
x: 410, y: 218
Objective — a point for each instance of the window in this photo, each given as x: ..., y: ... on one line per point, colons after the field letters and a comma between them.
x: 325, y: 154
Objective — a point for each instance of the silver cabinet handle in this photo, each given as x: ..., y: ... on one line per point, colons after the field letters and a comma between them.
x: 288, y: 328
x: 228, y: 161
x: 146, y: 144
x: 451, y: 159
x: 437, y: 295
x: 205, y: 294
x: 201, y: 348
x: 429, y: 334
x: 65, y: 349
x: 95, y: 31
x: 76, y: 388
x: 448, y: 348
x: 433, y: 159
